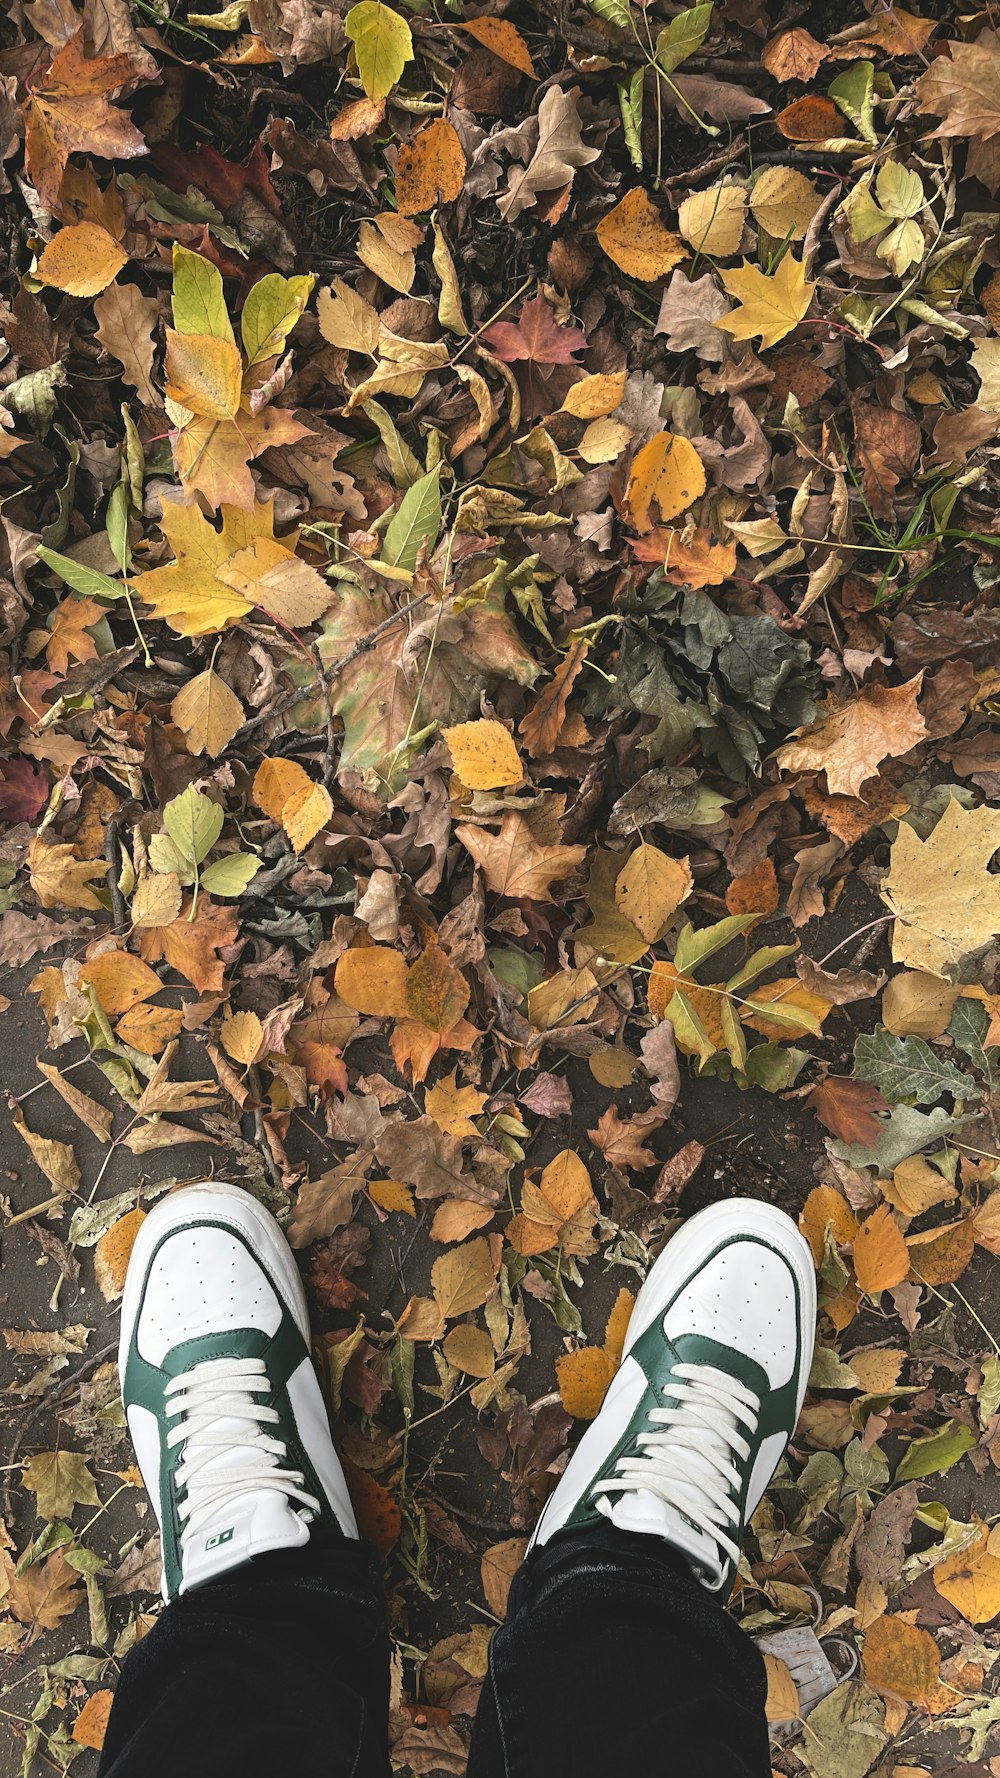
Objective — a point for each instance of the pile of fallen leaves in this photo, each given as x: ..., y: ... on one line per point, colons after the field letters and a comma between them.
x: 498, y: 572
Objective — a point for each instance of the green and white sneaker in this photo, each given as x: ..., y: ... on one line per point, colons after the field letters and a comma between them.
x: 716, y: 1359
x: 222, y: 1402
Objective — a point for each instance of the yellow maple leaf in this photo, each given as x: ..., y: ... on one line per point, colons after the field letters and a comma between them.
x: 769, y: 306
x: 453, y: 1107
x: 945, y: 901
x: 188, y: 593
x: 60, y: 879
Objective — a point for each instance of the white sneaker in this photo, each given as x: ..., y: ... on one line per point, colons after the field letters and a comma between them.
x: 717, y: 1356
x: 222, y: 1402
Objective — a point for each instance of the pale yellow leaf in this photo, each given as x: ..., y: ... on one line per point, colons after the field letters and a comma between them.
x: 208, y: 713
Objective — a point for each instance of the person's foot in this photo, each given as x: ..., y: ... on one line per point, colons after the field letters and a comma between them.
x: 223, y: 1405
x: 717, y: 1355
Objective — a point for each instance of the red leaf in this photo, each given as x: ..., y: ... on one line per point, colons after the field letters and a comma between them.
x: 23, y: 791
x: 847, y: 1109
x: 537, y: 336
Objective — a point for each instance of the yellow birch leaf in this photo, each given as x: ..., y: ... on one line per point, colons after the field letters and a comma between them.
x: 242, y: 1035
x: 157, y: 900
x: 484, y: 755
x: 306, y: 811
x: 583, y: 1377
x: 275, y: 781
x: 594, y: 397
x: 470, y: 1349
x: 971, y: 1581
x: 782, y: 1704
x: 113, y: 1251
x: 464, y: 1277
x: 280, y: 582
x: 82, y: 260
x: 617, y: 1328
x: 392, y: 1194
x: 784, y: 202
x: 900, y: 1659
x: 502, y: 39
x: 149, y: 1029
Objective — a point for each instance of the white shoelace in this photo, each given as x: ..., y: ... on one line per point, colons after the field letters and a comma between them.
x: 691, y: 1465
x: 218, y: 1410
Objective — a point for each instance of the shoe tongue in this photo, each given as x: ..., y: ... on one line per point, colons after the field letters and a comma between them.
x: 242, y: 1528
x: 644, y: 1511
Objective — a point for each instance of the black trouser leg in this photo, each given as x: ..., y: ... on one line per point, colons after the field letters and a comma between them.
x: 613, y: 1660
x: 281, y: 1667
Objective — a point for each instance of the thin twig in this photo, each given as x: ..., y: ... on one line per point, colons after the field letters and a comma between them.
x: 112, y: 852
x: 330, y: 673
x: 64, y: 1385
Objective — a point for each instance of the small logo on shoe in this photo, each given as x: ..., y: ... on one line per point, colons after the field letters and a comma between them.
x: 212, y: 1543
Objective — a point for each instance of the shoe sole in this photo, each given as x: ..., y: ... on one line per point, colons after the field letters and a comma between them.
x: 211, y: 1201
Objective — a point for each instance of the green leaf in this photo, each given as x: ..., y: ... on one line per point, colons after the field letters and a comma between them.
x: 793, y: 1018
x: 199, y: 301
x: 853, y: 93
x: 166, y: 859
x: 117, y: 524
x: 936, y: 1453
x: 684, y: 34
x: 846, y: 1731
x: 757, y: 962
x: 630, y: 105
x: 401, y: 1357
x: 382, y: 44
x: 88, y: 582
x: 695, y: 948
x: 270, y: 312
x: 517, y: 968
x: 613, y: 12
x: 773, y: 1067
x: 418, y: 518
x: 907, y: 1068
x: 969, y: 1025
x: 60, y: 1480
x: 230, y: 875
x: 688, y: 1028
x: 732, y: 1031
x: 403, y: 465
x: 32, y: 398
x: 194, y: 823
